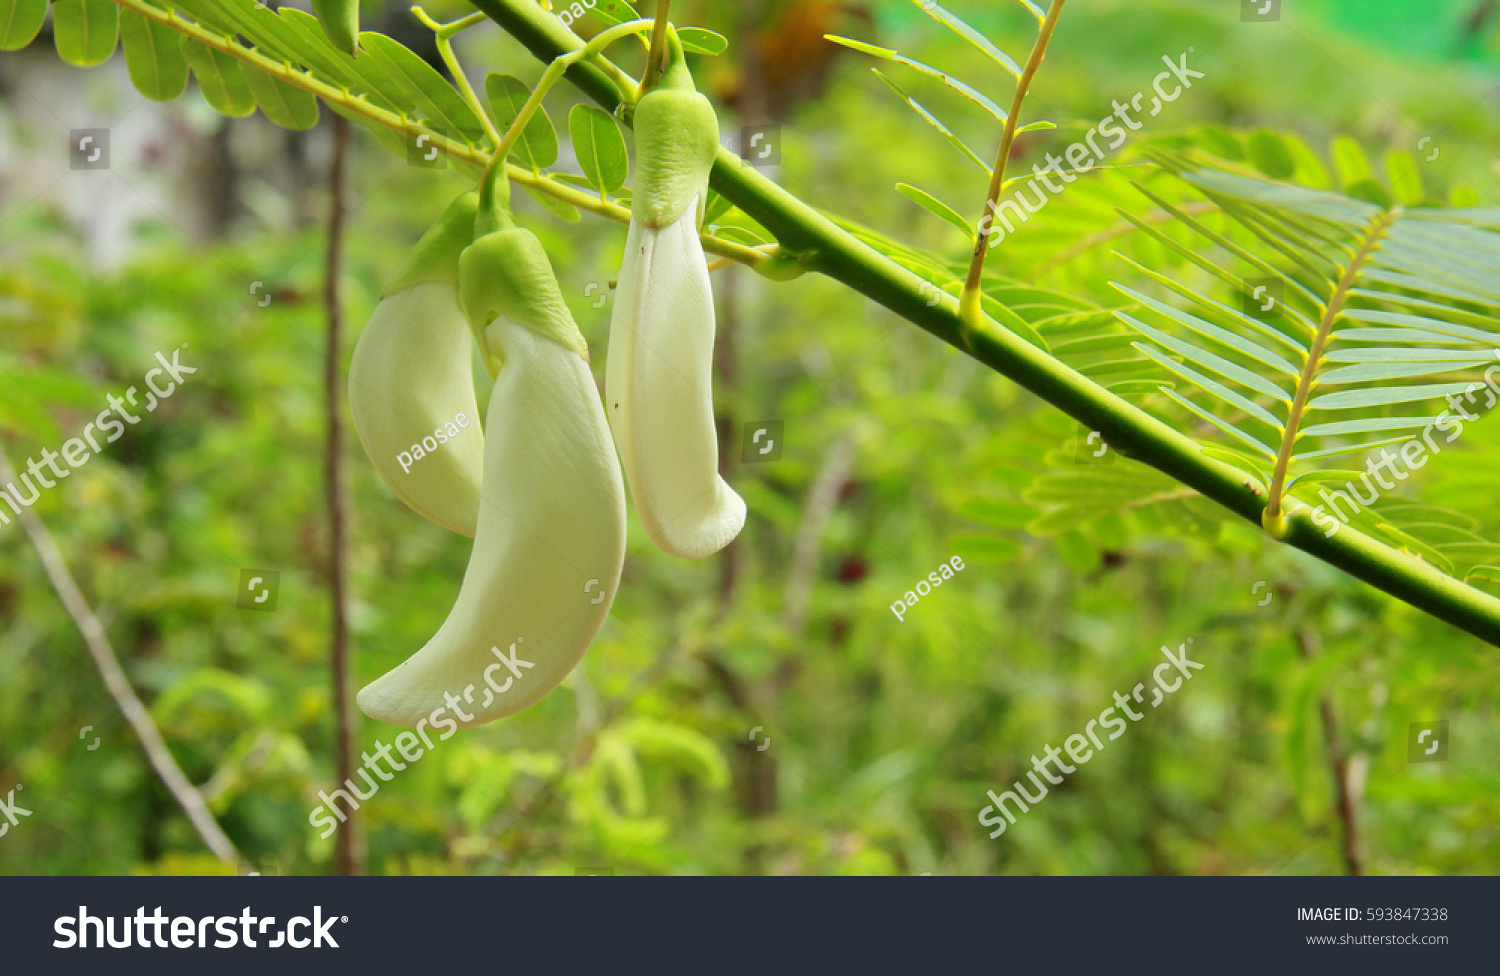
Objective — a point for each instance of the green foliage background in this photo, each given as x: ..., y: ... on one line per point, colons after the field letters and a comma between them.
x: 883, y: 735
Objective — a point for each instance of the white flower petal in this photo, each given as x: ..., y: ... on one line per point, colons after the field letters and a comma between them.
x: 547, y: 555
x: 411, y: 376
x: 659, y: 391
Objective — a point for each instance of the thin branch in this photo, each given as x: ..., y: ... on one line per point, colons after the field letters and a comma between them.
x: 1338, y: 763
x: 443, y: 35
x: 172, y: 776
x: 657, y: 53
x: 822, y: 498
x: 349, y: 855
x: 554, y: 73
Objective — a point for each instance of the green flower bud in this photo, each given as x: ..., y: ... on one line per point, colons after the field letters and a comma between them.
x: 676, y: 140
x: 505, y: 274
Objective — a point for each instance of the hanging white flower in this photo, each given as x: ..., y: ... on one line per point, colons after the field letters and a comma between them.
x: 411, y: 382
x: 551, y: 531
x: 659, y: 375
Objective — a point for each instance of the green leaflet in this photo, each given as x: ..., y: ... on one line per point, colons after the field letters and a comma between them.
x: 936, y: 207
x: 978, y: 40
x: 85, y: 31
x: 1223, y: 425
x: 701, y: 40
x: 1366, y: 372
x: 358, y: 75
x: 888, y: 54
x: 614, y: 11
x: 288, y: 107
x: 1269, y: 155
x: 1367, y: 425
x: 599, y: 146
x: 1010, y: 319
x: 444, y: 108
x: 340, y: 22
x: 933, y: 121
x: 219, y: 79
x: 537, y: 145
x: 153, y: 56
x: 742, y: 235
x: 1404, y: 176
x: 1236, y: 459
x: 1384, y: 396
x: 20, y: 21
x: 561, y: 209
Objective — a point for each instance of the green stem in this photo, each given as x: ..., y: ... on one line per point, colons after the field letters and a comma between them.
x: 656, y: 54
x: 812, y: 239
x: 443, y: 34
x: 555, y: 70
x: 970, y: 307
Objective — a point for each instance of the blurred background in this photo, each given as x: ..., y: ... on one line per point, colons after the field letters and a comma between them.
x: 763, y: 711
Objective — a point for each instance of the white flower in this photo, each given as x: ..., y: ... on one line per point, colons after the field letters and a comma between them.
x: 658, y: 379
x: 547, y: 555
x: 411, y: 387
x: 550, y: 540
x: 411, y: 381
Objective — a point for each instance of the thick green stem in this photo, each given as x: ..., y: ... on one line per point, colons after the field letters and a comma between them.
x: 818, y: 244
